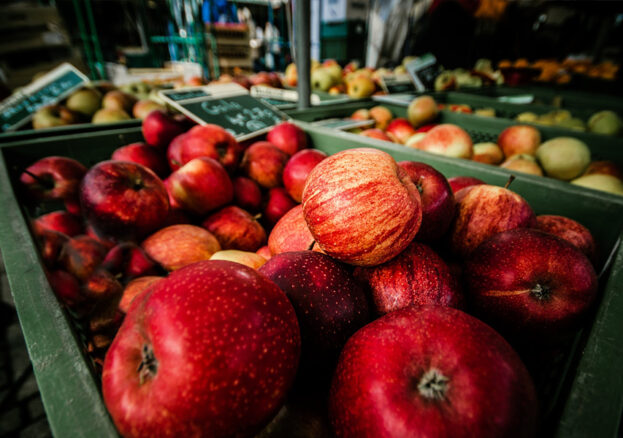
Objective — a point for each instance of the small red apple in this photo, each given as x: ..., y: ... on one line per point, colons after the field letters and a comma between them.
x: 459, y: 182
x: 247, y: 194
x: 235, y: 228
x: 200, y: 186
x: 123, y: 199
x: 519, y: 139
x: 159, y: 128
x: 399, y: 130
x: 569, y: 230
x: 174, y: 152
x: 53, y: 177
x: 60, y: 221
x: 375, y: 133
x: 81, y: 255
x: 449, y: 140
x: 415, y: 276
x: 141, y: 153
x: 211, y: 141
x: 128, y: 260
x: 287, y: 137
x: 264, y: 164
x: 278, y: 203
x: 298, y: 168
x: 290, y: 233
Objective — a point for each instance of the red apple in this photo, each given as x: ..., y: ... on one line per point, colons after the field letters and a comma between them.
x: 569, y: 230
x: 123, y: 199
x: 247, y: 194
x: 159, y: 128
x: 361, y: 206
x: 127, y: 260
x: 519, y: 139
x: 484, y: 210
x: 532, y: 286
x: 201, y: 185
x: 235, y: 228
x: 438, y: 206
x: 415, y: 276
x: 422, y: 110
x: 329, y: 303
x: 60, y: 221
x: 429, y: 371
x: 278, y: 203
x: 264, y: 164
x: 176, y: 246
x: 80, y: 256
x: 141, y: 153
x: 375, y: 133
x: 174, y: 152
x: 50, y: 244
x: 225, y: 373
x: 53, y: 177
x: 72, y: 205
x: 214, y: 142
x: 604, y: 168
x: 399, y: 130
x: 297, y: 169
x: 382, y: 116
x: 287, y: 137
x: 143, y: 107
x: 361, y: 114
x: 134, y: 289
x: 290, y: 233
x: 118, y: 100
x: 66, y: 287
x: 449, y: 140
x: 459, y: 182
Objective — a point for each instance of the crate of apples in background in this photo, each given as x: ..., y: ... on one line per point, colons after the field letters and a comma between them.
x: 215, y: 281
x: 518, y: 148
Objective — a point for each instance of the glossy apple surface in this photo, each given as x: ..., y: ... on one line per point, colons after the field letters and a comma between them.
x: 298, y: 168
x: 264, y: 164
x: 431, y: 371
x: 287, y: 137
x: 141, y: 153
x: 235, y: 228
x: 53, y: 177
x: 211, y: 141
x: 179, y: 352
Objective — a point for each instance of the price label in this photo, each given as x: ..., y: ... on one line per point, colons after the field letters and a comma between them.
x: 394, y: 84
x: 423, y: 72
x: 17, y: 109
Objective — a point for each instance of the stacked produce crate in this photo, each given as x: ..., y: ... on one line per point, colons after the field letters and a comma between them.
x: 232, y: 47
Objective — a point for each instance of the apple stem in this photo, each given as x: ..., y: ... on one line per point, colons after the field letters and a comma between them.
x: 257, y: 217
x: 510, y: 180
x: 433, y: 385
x: 148, y: 367
x: 42, y: 181
x: 541, y: 292
x: 311, y: 247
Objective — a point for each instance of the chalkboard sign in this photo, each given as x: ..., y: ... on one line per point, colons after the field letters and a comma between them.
x: 17, y: 109
x: 239, y: 113
x: 423, y: 71
x: 179, y: 95
x: 397, y: 84
x: 281, y: 104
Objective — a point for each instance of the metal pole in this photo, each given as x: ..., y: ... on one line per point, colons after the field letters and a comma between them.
x: 301, y: 39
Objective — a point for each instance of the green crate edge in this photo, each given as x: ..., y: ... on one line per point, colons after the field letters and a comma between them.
x: 9, y: 137
x: 95, y: 417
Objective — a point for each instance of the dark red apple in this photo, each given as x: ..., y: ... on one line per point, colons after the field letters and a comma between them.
x: 215, y: 345
x: 532, y: 286
x: 438, y: 206
x: 128, y: 260
x: 247, y: 194
x: 235, y: 228
x: 290, y: 233
x: 159, y: 128
x: 484, y: 210
x: 287, y: 137
x: 329, y: 303
x: 50, y: 244
x: 415, y: 276
x: 569, y: 230
x: 214, y: 142
x: 459, y: 182
x: 66, y: 287
x: 134, y: 289
x: 81, y: 255
x: 278, y: 203
x: 298, y: 168
x: 141, y: 153
x: 200, y: 186
x: 361, y: 206
x: 123, y: 199
x: 264, y: 164
x: 431, y: 371
x: 60, y: 221
x: 53, y: 177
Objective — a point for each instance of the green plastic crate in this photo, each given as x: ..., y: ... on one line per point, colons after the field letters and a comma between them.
x: 584, y: 390
x: 6, y: 137
x: 481, y: 129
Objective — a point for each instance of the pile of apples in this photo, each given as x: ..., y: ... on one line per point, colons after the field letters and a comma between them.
x: 228, y: 286
x: 518, y: 148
